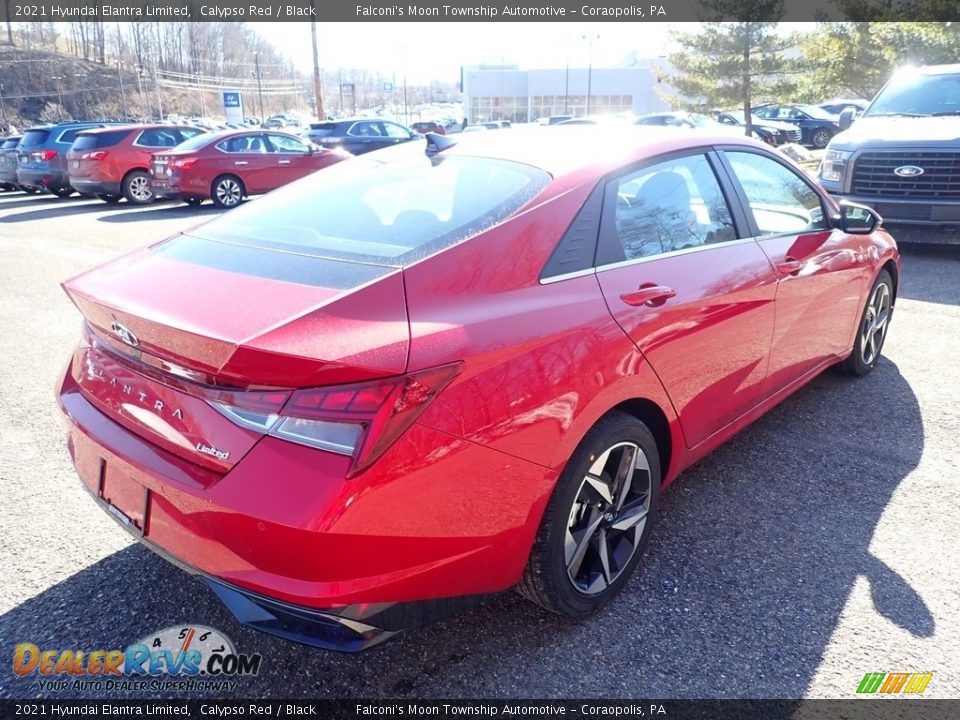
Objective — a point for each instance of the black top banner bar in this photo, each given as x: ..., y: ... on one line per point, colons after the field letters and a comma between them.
x: 477, y: 11
x: 916, y: 709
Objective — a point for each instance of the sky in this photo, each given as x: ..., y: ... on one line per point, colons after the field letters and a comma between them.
x: 436, y: 51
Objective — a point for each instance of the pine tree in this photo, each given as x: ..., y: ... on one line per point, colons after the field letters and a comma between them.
x: 731, y: 63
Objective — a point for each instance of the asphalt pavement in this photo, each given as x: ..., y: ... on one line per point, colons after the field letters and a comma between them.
x: 818, y: 545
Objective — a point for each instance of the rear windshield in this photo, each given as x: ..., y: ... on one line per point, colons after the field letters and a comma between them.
x: 322, y: 129
x: 94, y: 141
x: 912, y: 94
x: 818, y: 113
x: 34, y: 138
x: 10, y: 143
x: 391, y: 213
x: 196, y: 142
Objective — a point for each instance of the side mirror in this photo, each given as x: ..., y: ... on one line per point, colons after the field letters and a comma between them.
x: 846, y: 118
x: 858, y: 219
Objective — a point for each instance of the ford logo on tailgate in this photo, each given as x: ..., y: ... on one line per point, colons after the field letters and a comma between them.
x: 908, y: 171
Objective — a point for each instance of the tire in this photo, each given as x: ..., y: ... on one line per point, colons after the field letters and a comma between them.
x: 195, y: 202
x: 63, y: 192
x: 227, y: 191
x: 821, y: 138
x: 30, y: 190
x: 136, y: 188
x: 109, y: 199
x: 870, y: 333
x: 593, y: 532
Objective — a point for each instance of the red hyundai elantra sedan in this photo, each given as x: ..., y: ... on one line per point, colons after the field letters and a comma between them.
x: 413, y: 380
x: 228, y: 166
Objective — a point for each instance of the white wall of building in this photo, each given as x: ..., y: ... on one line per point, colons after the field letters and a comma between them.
x: 495, y: 93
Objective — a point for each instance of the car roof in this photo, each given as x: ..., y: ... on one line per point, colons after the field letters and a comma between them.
x: 135, y: 126
x: 568, y: 151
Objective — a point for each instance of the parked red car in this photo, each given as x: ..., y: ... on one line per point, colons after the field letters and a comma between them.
x: 114, y: 162
x: 428, y: 127
x: 226, y: 167
x: 410, y: 381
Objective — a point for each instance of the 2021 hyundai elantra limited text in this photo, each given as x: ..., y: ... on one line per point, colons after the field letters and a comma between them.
x: 415, y: 379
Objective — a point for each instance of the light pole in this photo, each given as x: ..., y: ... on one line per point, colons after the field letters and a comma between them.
x: 317, y: 89
x: 258, y: 75
x: 123, y: 93
x: 83, y: 94
x: 156, y: 84
x: 203, y: 107
x: 143, y: 102
x: 589, y: 37
x: 57, y: 79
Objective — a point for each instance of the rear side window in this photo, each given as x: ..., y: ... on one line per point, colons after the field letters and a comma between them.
x: 187, y: 133
x: 93, y: 141
x: 159, y: 138
x: 10, y: 143
x: 366, y: 129
x: 34, y: 138
x: 395, y: 131
x: 68, y: 136
x: 244, y: 144
x: 673, y: 205
x: 383, y: 212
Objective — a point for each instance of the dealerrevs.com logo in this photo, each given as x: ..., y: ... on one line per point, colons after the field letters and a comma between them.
x: 189, y: 657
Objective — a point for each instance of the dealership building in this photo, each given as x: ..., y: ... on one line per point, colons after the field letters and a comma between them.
x: 504, y: 92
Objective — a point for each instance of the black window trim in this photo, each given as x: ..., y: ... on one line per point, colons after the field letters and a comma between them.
x: 740, y: 225
x: 744, y: 202
x: 176, y: 134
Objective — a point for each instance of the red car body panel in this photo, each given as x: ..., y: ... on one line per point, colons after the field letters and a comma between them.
x: 260, y: 172
x: 452, y: 507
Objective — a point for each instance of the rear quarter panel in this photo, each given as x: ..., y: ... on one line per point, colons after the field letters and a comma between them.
x: 542, y: 362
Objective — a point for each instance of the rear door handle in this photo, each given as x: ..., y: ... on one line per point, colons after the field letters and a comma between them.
x: 283, y: 162
x: 240, y: 163
x: 649, y: 294
x: 789, y: 266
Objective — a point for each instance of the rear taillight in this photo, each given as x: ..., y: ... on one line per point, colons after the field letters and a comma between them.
x: 181, y: 164
x: 360, y: 421
x: 97, y: 155
x: 47, y: 154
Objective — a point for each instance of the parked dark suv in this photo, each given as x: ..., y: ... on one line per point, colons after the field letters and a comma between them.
x: 359, y: 135
x: 42, y: 156
x: 8, y: 162
x: 902, y: 155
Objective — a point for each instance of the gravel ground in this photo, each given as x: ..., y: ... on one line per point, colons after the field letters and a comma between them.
x: 818, y: 545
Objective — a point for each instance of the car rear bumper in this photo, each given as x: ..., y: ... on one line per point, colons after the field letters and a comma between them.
x: 42, y: 179
x: 175, y: 190
x: 95, y: 187
x: 296, y: 550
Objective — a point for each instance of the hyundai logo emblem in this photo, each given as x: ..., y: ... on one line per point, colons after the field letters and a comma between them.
x: 908, y: 171
x: 124, y: 333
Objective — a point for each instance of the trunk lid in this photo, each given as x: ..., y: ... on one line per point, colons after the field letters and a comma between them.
x: 191, y: 320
